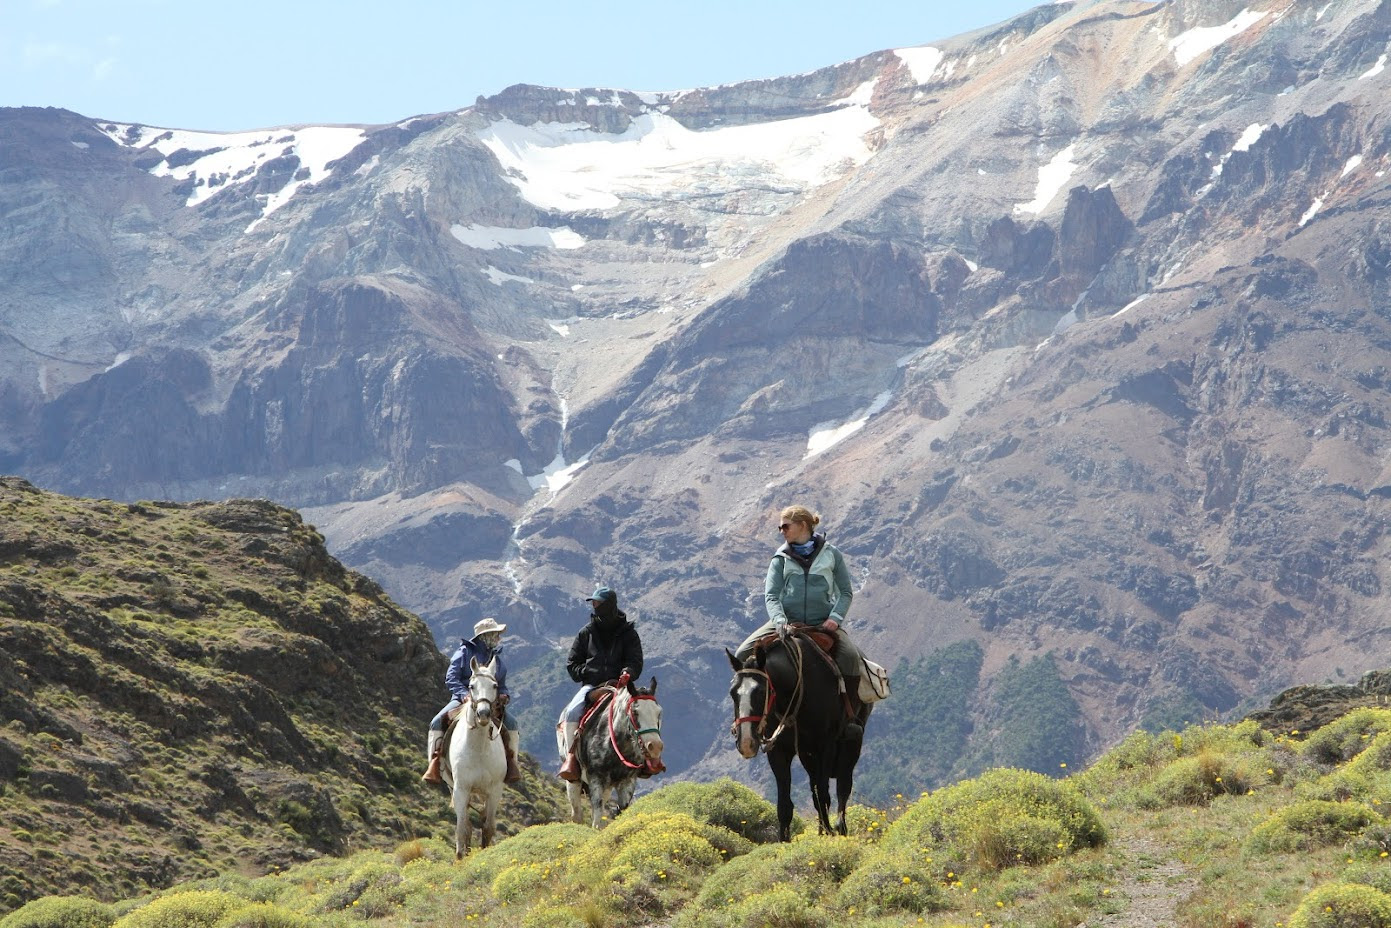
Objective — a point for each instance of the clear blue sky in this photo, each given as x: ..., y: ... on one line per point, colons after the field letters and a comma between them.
x: 242, y: 64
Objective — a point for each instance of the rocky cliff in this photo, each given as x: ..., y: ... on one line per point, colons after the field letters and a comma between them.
x: 207, y: 682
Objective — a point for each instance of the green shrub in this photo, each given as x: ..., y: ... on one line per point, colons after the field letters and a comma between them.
x: 1342, y: 740
x: 1375, y: 758
x: 199, y: 908
x: 888, y: 882
x: 353, y: 889
x: 651, y: 861
x: 60, y: 912
x: 813, y: 866
x: 1310, y: 824
x: 522, y: 882
x: 584, y: 915
x: 1343, y: 905
x: 265, y: 915
x: 1373, y: 873
x: 1350, y: 781
x: 1198, y: 779
x: 773, y: 907
x: 539, y: 844
x: 1002, y: 818
x: 724, y: 803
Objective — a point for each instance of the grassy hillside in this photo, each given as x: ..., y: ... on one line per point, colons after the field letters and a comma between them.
x: 200, y: 689
x: 1217, y: 825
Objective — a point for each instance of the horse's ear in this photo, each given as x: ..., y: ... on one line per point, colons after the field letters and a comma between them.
x: 652, y: 690
x: 473, y: 663
x: 733, y: 661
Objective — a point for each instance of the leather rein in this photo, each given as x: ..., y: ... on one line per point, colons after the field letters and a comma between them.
x: 631, y: 715
x: 770, y: 699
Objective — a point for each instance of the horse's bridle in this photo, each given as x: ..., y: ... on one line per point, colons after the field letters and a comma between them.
x: 770, y: 701
x: 495, y: 725
x: 631, y: 715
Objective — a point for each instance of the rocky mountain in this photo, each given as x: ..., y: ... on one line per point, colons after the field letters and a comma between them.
x: 198, y: 689
x: 1075, y: 329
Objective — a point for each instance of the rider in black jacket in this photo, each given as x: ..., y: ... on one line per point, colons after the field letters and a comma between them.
x: 606, y: 649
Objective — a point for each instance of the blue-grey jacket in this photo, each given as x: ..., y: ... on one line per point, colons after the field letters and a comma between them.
x: 457, y: 676
x: 809, y: 592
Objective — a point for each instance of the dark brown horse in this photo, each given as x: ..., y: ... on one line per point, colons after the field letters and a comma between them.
x: 787, y: 701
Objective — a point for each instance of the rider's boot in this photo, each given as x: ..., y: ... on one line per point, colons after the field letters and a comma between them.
x: 853, y: 728
x: 432, y: 751
x: 570, y: 770
x: 509, y: 746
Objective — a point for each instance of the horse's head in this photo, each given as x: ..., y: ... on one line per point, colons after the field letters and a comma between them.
x: 751, y: 691
x: 645, y: 714
x: 482, y: 688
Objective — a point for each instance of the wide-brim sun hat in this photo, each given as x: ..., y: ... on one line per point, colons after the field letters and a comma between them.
x: 487, y: 625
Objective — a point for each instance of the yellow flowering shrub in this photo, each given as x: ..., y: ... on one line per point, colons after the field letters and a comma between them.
x: 1341, y: 740
x: 1001, y: 818
x: 265, y: 915
x: 538, y: 844
x: 60, y: 912
x: 768, y: 905
x: 813, y: 866
x: 522, y: 882
x: 196, y: 909
x: 1375, y: 873
x: 865, y: 822
x: 889, y: 881
x: 1198, y: 779
x: 1343, y: 905
x: 724, y: 802
x: 1310, y: 824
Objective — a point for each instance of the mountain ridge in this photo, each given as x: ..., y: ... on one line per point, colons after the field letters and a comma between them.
x: 1073, y: 328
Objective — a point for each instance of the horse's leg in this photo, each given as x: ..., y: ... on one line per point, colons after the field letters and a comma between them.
x: 623, y: 793
x: 780, y: 762
x: 598, y: 795
x: 818, y: 772
x: 572, y: 792
x: 462, y: 825
x: 490, y: 804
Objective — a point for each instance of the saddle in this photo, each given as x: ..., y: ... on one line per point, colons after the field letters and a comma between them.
x: 824, y: 640
x: 451, y: 721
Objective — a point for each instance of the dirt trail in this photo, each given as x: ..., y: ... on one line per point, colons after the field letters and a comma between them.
x: 1155, y: 884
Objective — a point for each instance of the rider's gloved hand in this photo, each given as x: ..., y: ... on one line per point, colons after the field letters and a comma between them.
x: 623, y: 679
x: 782, y: 631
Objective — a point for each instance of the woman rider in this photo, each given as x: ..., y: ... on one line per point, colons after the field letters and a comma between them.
x: 808, y: 584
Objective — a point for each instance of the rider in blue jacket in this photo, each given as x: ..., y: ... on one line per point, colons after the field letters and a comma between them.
x: 484, y: 646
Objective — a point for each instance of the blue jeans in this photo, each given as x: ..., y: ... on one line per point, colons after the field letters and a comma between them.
x: 574, y: 709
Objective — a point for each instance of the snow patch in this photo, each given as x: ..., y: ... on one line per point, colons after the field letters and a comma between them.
x: 1351, y: 166
x: 218, y: 161
x: 1131, y: 305
x: 1051, y: 178
x: 826, y: 434
x: 570, y: 166
x: 922, y: 62
x: 1311, y: 211
x: 1375, y: 69
x: 501, y: 277
x: 1189, y: 45
x: 490, y: 237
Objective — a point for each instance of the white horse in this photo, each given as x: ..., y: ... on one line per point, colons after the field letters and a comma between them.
x: 477, y: 761
x: 623, y: 739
